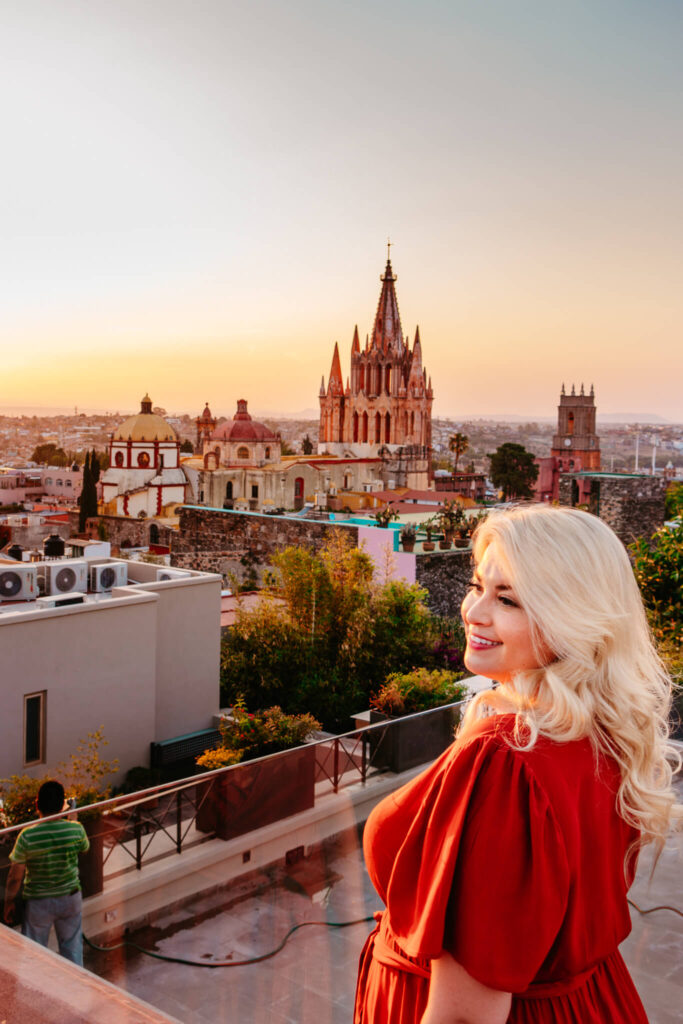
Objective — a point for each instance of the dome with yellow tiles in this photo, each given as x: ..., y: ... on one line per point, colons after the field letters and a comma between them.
x: 145, y: 426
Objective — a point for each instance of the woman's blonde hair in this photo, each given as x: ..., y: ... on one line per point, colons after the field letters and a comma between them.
x: 605, y: 680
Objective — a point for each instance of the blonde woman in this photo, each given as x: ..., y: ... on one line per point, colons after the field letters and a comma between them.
x: 504, y: 867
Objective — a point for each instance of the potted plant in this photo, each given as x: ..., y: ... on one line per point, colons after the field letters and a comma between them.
x: 403, y: 745
x: 450, y: 516
x: 428, y: 545
x: 408, y: 534
x: 385, y: 515
x: 252, y: 795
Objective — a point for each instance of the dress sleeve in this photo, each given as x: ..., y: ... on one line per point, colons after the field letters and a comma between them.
x: 511, y: 879
x: 493, y: 881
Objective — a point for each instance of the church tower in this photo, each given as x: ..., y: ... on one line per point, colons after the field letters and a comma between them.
x: 206, y: 424
x: 386, y: 406
x: 576, y: 445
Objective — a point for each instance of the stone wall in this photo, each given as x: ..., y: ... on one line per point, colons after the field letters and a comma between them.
x: 125, y: 532
x: 634, y: 506
x: 445, y: 576
x: 241, y: 544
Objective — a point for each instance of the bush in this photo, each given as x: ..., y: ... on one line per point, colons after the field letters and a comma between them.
x: 245, y: 735
x: 658, y: 565
x: 419, y: 690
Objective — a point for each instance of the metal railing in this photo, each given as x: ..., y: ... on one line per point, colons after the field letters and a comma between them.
x: 166, y: 819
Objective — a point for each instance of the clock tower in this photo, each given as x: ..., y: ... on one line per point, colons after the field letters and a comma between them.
x: 576, y: 446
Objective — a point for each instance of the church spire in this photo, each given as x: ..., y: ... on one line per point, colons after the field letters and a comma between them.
x: 387, y: 332
x: 335, y: 383
x: 355, y: 344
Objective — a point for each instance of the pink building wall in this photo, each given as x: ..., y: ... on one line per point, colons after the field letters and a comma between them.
x: 379, y: 544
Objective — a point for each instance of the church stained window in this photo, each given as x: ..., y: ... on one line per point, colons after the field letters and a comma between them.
x: 242, y: 453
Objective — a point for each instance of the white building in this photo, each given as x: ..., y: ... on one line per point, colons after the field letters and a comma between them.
x: 144, y: 474
x: 141, y: 660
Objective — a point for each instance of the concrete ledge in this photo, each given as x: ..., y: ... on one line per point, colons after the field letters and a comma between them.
x: 38, y: 986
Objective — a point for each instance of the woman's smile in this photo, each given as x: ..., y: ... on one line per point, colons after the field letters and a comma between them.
x: 497, y: 628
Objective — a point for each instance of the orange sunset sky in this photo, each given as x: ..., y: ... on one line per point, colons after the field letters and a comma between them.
x: 197, y: 196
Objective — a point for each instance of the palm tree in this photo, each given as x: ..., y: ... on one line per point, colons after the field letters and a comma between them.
x: 458, y: 444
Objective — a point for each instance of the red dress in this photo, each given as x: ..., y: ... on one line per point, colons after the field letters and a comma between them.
x: 512, y: 861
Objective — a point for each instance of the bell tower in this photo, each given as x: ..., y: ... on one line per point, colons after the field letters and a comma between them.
x: 576, y: 444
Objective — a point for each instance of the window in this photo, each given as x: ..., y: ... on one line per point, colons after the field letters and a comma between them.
x: 242, y: 453
x: 118, y: 458
x: 67, y: 483
x: 228, y: 491
x: 48, y: 481
x: 34, y: 727
x: 267, y: 453
x: 143, y: 460
x: 254, y: 490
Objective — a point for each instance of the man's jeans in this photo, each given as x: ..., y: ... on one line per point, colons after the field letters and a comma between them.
x: 64, y: 912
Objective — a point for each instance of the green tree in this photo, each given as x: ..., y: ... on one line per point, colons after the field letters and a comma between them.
x: 674, y: 499
x: 87, y: 501
x: 458, y: 444
x: 187, y: 448
x: 50, y: 454
x: 658, y: 565
x: 513, y: 470
x: 330, y: 635
x: 94, y: 466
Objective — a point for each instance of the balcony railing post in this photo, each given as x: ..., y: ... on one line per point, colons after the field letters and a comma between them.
x: 178, y: 821
x: 138, y: 838
x: 335, y: 772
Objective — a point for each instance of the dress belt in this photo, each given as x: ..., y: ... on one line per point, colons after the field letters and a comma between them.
x: 386, y: 951
x: 544, y: 990
x: 390, y: 955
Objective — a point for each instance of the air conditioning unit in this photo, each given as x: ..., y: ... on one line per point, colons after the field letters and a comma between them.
x: 60, y: 600
x: 18, y: 582
x: 109, y: 574
x: 172, y: 574
x: 66, y: 576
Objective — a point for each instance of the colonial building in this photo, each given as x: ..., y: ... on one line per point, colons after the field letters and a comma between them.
x: 576, y: 446
x: 385, y: 409
x: 144, y: 475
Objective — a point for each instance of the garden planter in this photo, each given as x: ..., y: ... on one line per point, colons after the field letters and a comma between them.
x: 255, y: 794
x: 444, y: 544
x: 428, y: 545
x: 411, y: 741
x: 462, y: 542
x: 408, y: 545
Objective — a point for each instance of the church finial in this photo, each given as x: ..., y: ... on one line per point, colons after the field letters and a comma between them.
x: 563, y: 392
x: 592, y: 391
x: 582, y: 391
x: 388, y: 250
x: 573, y: 390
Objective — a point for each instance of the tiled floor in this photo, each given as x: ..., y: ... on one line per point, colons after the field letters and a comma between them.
x: 313, y: 978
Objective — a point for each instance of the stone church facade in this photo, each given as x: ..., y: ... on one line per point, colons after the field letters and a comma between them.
x: 385, y: 408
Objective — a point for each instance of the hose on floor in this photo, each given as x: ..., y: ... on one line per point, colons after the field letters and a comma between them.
x: 225, y: 963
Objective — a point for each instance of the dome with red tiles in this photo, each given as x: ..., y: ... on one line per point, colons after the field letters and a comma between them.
x: 243, y: 428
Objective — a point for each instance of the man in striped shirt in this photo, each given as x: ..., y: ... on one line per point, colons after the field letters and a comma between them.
x: 45, y: 856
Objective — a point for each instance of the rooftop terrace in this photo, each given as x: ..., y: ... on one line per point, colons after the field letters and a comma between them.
x: 217, y: 902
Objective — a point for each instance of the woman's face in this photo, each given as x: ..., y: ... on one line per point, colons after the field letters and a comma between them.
x: 496, y: 626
